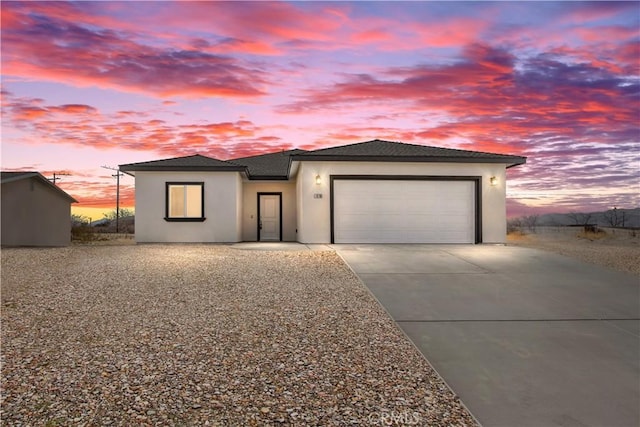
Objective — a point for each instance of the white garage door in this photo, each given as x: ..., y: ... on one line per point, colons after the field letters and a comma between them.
x: 391, y: 211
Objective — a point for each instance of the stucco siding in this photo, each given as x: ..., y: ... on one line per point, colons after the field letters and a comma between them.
x: 221, y: 208
x: 299, y: 211
x: 494, y: 208
x: 34, y: 215
x: 250, y: 208
x: 239, y: 207
x: 314, y: 217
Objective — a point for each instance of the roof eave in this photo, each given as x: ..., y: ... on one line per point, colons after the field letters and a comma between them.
x: 268, y: 178
x: 513, y: 165
x: 289, y: 164
x: 141, y: 168
x: 518, y: 161
x: 512, y: 160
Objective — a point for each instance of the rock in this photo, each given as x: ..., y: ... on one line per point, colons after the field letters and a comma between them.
x: 197, y: 334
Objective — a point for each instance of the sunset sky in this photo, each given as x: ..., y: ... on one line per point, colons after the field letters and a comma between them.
x: 91, y: 84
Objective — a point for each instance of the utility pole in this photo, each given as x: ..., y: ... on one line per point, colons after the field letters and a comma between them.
x: 117, y: 175
x: 56, y: 177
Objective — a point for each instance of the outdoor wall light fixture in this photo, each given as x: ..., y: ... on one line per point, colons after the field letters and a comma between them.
x: 493, y: 180
x: 318, y: 180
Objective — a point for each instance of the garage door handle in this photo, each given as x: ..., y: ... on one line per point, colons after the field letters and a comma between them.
x: 260, y: 225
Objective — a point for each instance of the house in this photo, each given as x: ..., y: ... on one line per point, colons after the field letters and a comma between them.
x: 34, y: 212
x: 370, y: 192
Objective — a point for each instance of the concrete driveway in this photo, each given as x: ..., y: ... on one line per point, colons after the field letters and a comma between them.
x: 524, y: 337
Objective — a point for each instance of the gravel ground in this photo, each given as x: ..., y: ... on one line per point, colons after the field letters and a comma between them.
x: 615, y: 249
x: 205, y: 335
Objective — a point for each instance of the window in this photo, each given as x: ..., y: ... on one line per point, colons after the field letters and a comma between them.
x: 185, y: 201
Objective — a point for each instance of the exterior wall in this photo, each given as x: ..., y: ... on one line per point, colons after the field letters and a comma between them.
x: 250, y: 208
x: 314, y: 213
x: 34, y: 215
x: 222, y: 208
x: 239, y: 206
x: 300, y: 217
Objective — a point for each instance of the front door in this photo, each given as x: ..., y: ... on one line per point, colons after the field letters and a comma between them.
x: 269, y: 206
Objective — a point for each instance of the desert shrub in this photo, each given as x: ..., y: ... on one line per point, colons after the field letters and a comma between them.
x: 84, y: 233
x: 592, y: 233
x: 514, y: 225
x: 122, y: 213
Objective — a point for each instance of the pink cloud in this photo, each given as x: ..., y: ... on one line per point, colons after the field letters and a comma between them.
x: 84, y: 126
x: 98, y: 194
x: 484, y: 94
x: 482, y: 73
x: 607, y: 33
x: 270, y: 20
x: 252, y: 47
x: 581, y: 13
x: 73, y: 109
x: 372, y: 36
x: 452, y: 32
x: 48, y: 47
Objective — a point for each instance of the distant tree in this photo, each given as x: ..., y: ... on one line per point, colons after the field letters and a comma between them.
x: 514, y: 225
x: 530, y: 221
x: 614, y: 218
x: 79, y: 219
x: 124, y: 212
x: 81, y: 230
x: 579, y: 218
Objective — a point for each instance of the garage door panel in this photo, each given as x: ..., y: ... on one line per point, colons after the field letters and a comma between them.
x: 373, y: 211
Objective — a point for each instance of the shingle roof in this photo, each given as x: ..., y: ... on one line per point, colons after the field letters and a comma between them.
x: 379, y: 150
x: 7, y: 177
x: 269, y: 166
x: 196, y: 162
x: 277, y: 165
x: 14, y: 176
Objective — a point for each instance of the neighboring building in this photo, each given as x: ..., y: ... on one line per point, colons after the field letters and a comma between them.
x: 35, y: 212
x: 370, y: 192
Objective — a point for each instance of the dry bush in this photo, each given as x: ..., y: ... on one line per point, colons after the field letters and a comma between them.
x: 514, y: 226
x: 592, y: 234
x: 84, y: 233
